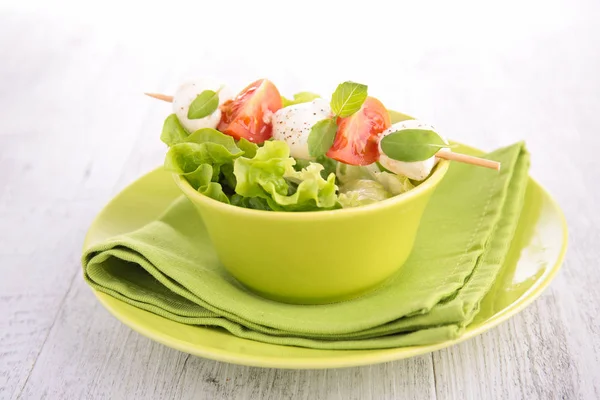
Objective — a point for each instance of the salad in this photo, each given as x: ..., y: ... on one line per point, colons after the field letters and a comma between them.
x: 263, y: 151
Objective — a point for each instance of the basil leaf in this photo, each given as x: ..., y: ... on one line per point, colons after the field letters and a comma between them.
x: 203, y: 105
x: 255, y: 203
x: 172, y: 131
x: 321, y: 137
x: 348, y: 98
x: 302, y: 97
x: 411, y: 145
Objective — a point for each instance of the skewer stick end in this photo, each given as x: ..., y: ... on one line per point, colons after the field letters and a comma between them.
x: 163, y: 97
x: 464, y: 158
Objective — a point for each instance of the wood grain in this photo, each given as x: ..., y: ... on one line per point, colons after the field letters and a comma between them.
x: 75, y: 129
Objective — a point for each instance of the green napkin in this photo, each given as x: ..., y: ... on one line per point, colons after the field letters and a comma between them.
x: 168, y: 267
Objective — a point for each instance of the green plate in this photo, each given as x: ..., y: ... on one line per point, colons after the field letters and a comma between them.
x: 535, y: 257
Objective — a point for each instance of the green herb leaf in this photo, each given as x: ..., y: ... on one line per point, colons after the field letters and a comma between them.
x: 210, y: 135
x: 214, y: 190
x: 228, y: 178
x: 200, y: 158
x: 348, y: 98
x: 256, y: 203
x: 247, y: 147
x: 321, y: 137
x: 411, y: 145
x: 203, y: 105
x: 300, y: 163
x: 173, y: 132
x: 362, y: 192
x: 329, y: 166
x: 270, y: 175
x: 302, y: 97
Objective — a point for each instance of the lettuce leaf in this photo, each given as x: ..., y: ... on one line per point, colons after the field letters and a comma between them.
x: 247, y: 147
x: 348, y: 173
x: 329, y: 165
x: 368, y: 184
x: 302, y: 97
x: 262, y: 175
x: 362, y: 192
x: 215, y: 191
x: 393, y: 183
x: 228, y: 178
x: 312, y: 190
x: 205, y: 159
x: 256, y: 203
x: 270, y: 175
x: 301, y: 163
x: 173, y: 132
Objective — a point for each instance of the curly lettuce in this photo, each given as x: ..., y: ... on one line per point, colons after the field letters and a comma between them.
x: 245, y: 175
x: 368, y: 184
x: 348, y: 173
x: 302, y: 97
x: 329, y: 165
x: 393, y: 183
x: 362, y: 192
x: 270, y: 175
x: 255, y: 203
x: 205, y: 160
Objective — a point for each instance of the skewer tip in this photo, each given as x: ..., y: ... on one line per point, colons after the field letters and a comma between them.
x: 163, y: 97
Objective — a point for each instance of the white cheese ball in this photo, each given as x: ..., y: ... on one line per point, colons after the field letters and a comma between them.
x: 418, y: 170
x: 292, y: 125
x: 187, y: 93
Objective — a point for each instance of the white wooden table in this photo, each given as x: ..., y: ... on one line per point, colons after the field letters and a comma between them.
x: 75, y: 129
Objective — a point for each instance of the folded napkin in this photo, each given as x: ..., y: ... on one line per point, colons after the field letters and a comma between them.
x: 169, y: 268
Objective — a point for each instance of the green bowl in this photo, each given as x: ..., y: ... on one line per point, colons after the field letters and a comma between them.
x: 320, y: 256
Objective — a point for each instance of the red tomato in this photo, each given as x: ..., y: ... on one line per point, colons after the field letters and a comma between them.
x: 357, y: 138
x: 248, y: 115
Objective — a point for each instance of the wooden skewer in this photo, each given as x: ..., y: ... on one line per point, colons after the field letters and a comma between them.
x: 463, y: 158
x: 446, y: 155
x: 163, y: 97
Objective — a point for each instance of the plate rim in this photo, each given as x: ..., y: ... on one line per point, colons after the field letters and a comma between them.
x: 361, y: 357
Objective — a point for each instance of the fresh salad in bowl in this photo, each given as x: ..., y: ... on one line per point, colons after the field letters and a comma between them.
x: 263, y: 151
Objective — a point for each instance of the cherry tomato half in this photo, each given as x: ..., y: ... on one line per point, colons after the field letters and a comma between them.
x: 356, y: 141
x: 248, y: 115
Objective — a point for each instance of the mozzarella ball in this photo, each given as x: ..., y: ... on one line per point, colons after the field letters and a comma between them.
x: 187, y: 93
x: 292, y: 125
x: 418, y: 170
